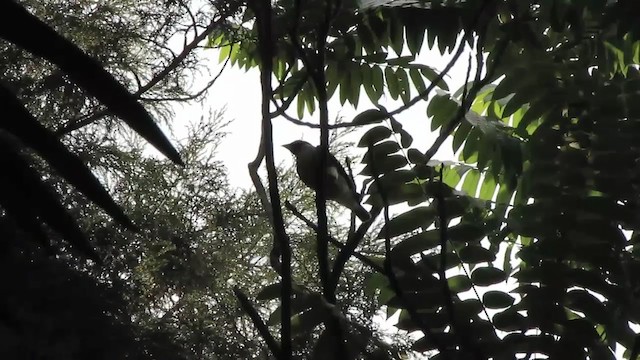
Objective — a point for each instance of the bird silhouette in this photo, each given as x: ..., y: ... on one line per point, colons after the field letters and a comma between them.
x: 338, y: 186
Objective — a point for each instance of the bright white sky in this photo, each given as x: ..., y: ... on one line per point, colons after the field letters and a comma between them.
x: 239, y: 92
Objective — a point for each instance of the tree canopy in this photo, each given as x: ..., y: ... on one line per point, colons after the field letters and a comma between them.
x: 523, y: 246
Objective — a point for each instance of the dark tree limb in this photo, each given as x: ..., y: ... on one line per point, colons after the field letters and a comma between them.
x: 262, y: 10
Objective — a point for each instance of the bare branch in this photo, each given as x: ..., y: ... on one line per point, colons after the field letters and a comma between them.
x: 262, y: 10
x: 272, y: 344
x: 197, y: 94
x: 332, y: 240
x: 86, y: 120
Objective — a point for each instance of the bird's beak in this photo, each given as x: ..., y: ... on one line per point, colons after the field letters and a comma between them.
x: 287, y: 146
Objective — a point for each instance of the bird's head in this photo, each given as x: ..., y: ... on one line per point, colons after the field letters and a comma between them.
x: 298, y: 147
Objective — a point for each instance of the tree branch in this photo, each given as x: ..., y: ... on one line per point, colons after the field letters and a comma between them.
x: 262, y: 10
x: 86, y: 120
x: 365, y: 260
x: 262, y: 328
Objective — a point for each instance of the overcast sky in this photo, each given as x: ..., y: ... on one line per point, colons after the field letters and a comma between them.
x: 239, y: 92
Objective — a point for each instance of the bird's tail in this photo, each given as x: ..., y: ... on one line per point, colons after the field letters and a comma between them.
x: 353, y: 204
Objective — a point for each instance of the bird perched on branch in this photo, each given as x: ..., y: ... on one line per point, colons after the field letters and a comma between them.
x: 338, y: 187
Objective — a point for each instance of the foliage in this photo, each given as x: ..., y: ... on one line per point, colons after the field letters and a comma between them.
x: 21, y: 129
x: 161, y: 291
x: 62, y: 306
x: 546, y: 139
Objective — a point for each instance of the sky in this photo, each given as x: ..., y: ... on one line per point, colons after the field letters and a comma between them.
x: 239, y: 93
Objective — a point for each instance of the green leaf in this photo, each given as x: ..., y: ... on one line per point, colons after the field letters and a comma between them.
x: 415, y: 36
x: 366, y: 38
x: 379, y: 152
x: 470, y: 183
x: 475, y: 254
x: 470, y: 149
x: 537, y: 110
x: 300, y: 102
x: 468, y: 308
x: 384, y: 165
x: 401, y: 61
x: 377, y: 80
x: 488, y: 188
x: 269, y: 292
x: 424, y: 344
x: 393, y: 84
x: 461, y: 135
x: 374, y: 135
x: 305, y: 322
x: 485, y: 276
x: 411, y: 193
x: 583, y: 301
x: 333, y: 79
x: 431, y: 74
x: 508, y: 85
x: 454, y: 174
x: 287, y: 89
x: 225, y: 51
x: 486, y: 150
x: 396, y: 35
x: 375, y: 57
x: 356, y: 83
x: 522, y: 96
x: 459, y: 283
x: 369, y: 117
x: 405, y: 139
x: 416, y: 78
x: 418, y: 243
x: 497, y: 299
x: 420, y: 217
x: 374, y: 282
x: 345, y: 87
x: 415, y: 156
x: 405, y: 86
x: 394, y: 179
x: 310, y: 96
x: 509, y: 320
x: 466, y: 232
x: 367, y: 83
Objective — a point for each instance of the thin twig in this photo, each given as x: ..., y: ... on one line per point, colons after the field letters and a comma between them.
x: 83, y: 121
x: 365, y: 260
x: 350, y: 247
x: 198, y: 93
x: 262, y: 328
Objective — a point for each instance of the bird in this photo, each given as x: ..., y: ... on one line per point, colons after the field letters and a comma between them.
x: 339, y: 187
